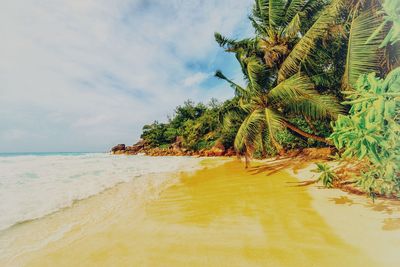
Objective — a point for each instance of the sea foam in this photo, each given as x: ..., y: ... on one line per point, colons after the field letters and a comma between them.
x: 33, y: 186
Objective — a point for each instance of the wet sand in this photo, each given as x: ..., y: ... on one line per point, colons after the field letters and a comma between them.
x: 222, y: 215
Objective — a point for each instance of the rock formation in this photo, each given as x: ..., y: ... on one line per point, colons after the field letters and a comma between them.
x: 218, y: 150
x: 116, y: 149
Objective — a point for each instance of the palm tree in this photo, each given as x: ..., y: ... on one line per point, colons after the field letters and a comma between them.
x: 274, y: 61
x: 266, y: 108
x: 270, y: 62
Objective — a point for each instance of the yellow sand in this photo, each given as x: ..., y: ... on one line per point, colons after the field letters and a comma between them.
x: 372, y: 226
x: 219, y: 216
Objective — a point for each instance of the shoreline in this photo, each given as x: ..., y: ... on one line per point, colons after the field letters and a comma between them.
x: 220, y: 210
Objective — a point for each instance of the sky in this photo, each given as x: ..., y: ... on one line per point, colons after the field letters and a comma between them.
x: 84, y: 75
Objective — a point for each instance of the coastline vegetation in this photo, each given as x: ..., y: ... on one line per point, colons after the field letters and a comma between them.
x: 195, y: 125
x: 317, y: 73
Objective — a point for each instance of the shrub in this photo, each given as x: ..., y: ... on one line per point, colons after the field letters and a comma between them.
x: 327, y: 176
x: 371, y: 131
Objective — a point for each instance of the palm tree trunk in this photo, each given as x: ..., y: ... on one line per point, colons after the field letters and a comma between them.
x: 263, y: 148
x: 246, y: 160
x: 246, y: 156
x: 305, y: 134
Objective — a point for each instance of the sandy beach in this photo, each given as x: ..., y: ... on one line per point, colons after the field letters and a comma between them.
x: 220, y: 215
x: 213, y: 133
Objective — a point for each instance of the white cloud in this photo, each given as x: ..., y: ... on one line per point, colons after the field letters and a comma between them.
x: 85, y: 74
x: 195, y: 79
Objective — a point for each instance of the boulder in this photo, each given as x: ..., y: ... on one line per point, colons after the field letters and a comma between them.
x: 119, y: 147
x: 139, y: 147
x: 119, y: 152
x: 136, y: 148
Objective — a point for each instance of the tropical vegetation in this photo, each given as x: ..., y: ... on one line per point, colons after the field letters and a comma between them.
x: 196, y: 126
x: 317, y: 73
x: 371, y: 132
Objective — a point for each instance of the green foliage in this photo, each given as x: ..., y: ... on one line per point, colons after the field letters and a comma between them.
x: 188, y: 111
x: 302, y: 54
x: 391, y: 9
x: 325, y: 18
x: 276, y: 89
x: 155, y: 134
x: 325, y: 65
x: 363, y: 57
x: 371, y: 131
x: 327, y: 175
x: 389, y: 31
x: 197, y: 126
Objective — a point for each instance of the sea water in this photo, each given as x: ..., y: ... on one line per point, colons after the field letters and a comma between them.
x: 33, y: 185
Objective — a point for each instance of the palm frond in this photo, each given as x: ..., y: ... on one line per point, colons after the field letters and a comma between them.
x: 293, y: 27
x: 261, y: 12
x: 222, y: 40
x: 302, y: 49
x: 299, y: 97
x: 270, y: 13
x: 241, y: 57
x: 239, y: 91
x: 233, y: 45
x: 312, y: 8
x: 258, y: 27
x: 274, y: 123
x: 229, y: 117
x: 249, y: 130
x: 255, y: 74
x: 293, y: 8
x: 316, y: 106
x: 363, y: 57
x: 230, y: 109
x: 246, y: 105
x: 276, y: 12
x: 296, y: 86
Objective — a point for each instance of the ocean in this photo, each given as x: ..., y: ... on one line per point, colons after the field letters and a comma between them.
x: 33, y: 185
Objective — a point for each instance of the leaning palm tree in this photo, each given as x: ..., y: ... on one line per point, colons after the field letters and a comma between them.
x: 267, y: 109
x: 286, y: 33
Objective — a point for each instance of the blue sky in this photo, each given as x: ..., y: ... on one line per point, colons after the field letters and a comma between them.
x: 83, y: 75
